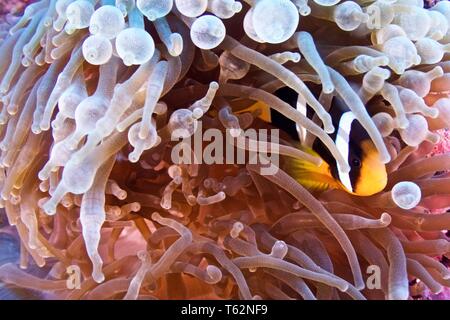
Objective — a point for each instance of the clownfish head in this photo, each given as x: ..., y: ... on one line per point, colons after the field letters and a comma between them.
x: 367, y: 174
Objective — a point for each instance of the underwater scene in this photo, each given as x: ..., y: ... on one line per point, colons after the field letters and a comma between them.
x: 224, y: 150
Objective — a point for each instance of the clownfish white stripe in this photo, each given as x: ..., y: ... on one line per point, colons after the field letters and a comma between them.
x: 342, y: 144
x: 301, y: 107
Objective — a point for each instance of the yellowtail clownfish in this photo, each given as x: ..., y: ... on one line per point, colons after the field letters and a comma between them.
x: 367, y: 174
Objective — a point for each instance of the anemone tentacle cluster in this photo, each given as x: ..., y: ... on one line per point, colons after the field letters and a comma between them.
x: 93, y: 92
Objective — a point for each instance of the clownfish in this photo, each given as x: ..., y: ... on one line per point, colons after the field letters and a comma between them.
x: 367, y: 174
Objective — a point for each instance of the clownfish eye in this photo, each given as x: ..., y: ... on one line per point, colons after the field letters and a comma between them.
x: 356, y: 163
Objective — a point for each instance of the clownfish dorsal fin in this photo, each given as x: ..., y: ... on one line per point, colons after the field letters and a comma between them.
x: 260, y: 107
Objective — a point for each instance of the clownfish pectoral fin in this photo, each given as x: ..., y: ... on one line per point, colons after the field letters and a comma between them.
x: 260, y: 107
x: 313, y: 183
x: 312, y: 177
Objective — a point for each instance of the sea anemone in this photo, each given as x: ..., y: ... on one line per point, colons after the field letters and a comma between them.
x: 96, y: 96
